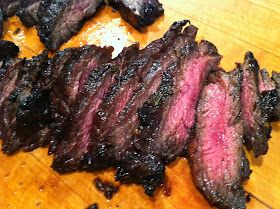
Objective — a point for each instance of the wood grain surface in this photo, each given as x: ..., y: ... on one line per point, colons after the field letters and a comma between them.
x: 234, y: 26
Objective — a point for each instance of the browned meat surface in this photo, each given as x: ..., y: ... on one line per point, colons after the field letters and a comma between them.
x: 217, y: 160
x: 139, y: 13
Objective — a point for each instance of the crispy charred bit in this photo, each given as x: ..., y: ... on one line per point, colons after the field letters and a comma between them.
x: 17, y: 127
x: 8, y: 49
x: 105, y: 187
x: 156, y: 141
x: 9, y: 7
x: 60, y: 19
x: 74, y: 66
x: 139, y: 74
x: 216, y: 157
x: 256, y: 107
x: 139, y: 13
x: 28, y: 12
x: 93, y: 206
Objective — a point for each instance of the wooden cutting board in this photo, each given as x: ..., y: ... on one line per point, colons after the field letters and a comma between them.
x: 235, y: 26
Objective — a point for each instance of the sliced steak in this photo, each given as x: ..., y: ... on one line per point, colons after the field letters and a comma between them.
x: 76, y: 136
x: 8, y: 49
x: 74, y: 71
x: 216, y: 157
x: 168, y: 116
x: 14, y: 131
x: 28, y: 12
x: 254, y: 108
x: 9, y: 7
x: 60, y: 19
x: 139, y: 13
x: 140, y: 73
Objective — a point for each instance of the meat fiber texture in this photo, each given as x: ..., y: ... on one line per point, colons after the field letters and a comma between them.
x: 139, y: 13
x: 121, y: 89
x: 60, y: 19
x: 167, y: 117
x: 28, y: 12
x: 216, y: 157
x: 74, y: 67
x: 256, y: 106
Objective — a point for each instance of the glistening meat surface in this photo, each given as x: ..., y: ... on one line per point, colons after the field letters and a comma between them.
x: 217, y: 160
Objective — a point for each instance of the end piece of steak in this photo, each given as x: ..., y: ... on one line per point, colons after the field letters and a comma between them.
x: 255, y: 111
x: 139, y: 13
x: 15, y: 131
x: 60, y: 19
x: 168, y: 116
x: 8, y: 49
x: 28, y: 12
x: 216, y: 157
x: 9, y: 7
x: 74, y: 66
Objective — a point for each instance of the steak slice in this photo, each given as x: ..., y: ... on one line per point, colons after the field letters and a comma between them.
x: 9, y: 7
x: 8, y: 49
x: 60, y: 19
x: 167, y: 117
x: 14, y: 131
x: 139, y: 13
x: 140, y: 73
x: 8, y: 76
x: 75, y: 65
x: 254, y: 108
x: 216, y: 157
x: 28, y: 12
x: 76, y: 136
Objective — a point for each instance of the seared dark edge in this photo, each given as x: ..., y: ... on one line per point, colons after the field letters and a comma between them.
x: 28, y: 12
x: 216, y: 157
x: 275, y: 115
x: 60, y: 19
x: 1, y: 22
x: 139, y: 13
x: 108, y: 188
x: 256, y: 107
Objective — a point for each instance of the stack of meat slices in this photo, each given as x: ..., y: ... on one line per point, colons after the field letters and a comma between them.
x: 142, y: 110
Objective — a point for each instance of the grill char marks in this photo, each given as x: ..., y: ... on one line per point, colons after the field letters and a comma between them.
x: 217, y: 160
x: 28, y: 12
x: 106, y: 145
x: 156, y: 142
x: 16, y: 132
x: 254, y: 107
x: 74, y: 67
x: 60, y: 19
x: 139, y: 13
